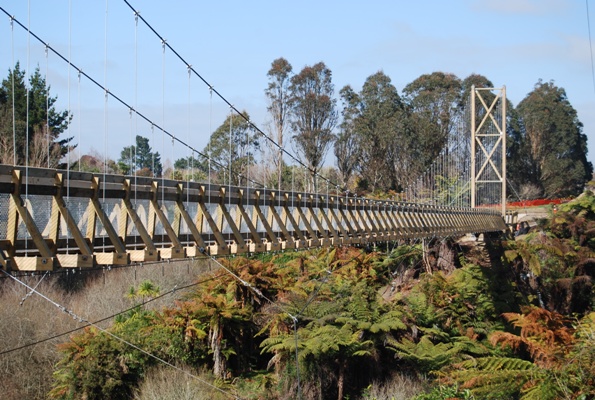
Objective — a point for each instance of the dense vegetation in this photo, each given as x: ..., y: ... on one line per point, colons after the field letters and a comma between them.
x: 502, y: 319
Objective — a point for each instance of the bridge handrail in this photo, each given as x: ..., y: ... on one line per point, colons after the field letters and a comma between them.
x: 60, y: 218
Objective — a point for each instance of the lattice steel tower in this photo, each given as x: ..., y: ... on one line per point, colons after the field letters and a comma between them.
x: 488, y: 147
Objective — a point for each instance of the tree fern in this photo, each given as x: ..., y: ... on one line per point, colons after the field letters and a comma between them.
x: 402, y: 257
x: 389, y: 321
x: 460, y: 303
x: 583, y: 205
x: 428, y: 356
x: 545, y: 335
x: 491, y: 377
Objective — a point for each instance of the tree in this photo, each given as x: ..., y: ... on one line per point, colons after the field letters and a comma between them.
x: 347, y: 144
x: 140, y: 158
x: 43, y: 152
x: 314, y: 115
x: 231, y: 148
x: 433, y: 99
x: 385, y: 140
x: 96, y: 162
x: 146, y: 289
x: 188, y: 162
x: 190, y: 169
x: 279, y: 98
x: 548, y: 340
x: 35, y: 117
x: 553, y: 141
x: 340, y: 323
x: 479, y: 81
x: 97, y: 365
x: 518, y: 163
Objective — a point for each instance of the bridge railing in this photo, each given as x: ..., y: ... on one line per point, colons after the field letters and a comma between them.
x: 51, y: 219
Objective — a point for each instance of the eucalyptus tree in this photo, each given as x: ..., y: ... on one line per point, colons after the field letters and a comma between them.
x: 386, y: 142
x: 477, y: 80
x: 347, y: 144
x: 554, y: 141
x: 521, y: 178
x: 314, y: 115
x: 279, y: 99
x: 434, y: 99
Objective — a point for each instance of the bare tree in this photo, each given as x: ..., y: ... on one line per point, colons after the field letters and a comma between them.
x: 6, y: 136
x: 44, y: 152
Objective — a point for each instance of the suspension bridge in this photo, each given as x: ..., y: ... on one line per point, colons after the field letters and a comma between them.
x: 52, y: 218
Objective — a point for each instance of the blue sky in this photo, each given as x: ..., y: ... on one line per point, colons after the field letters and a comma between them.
x: 231, y: 44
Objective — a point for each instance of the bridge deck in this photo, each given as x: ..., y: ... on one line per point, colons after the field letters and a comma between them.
x: 51, y: 219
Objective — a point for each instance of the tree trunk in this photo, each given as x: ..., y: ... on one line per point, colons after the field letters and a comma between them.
x: 341, y: 381
x: 218, y: 359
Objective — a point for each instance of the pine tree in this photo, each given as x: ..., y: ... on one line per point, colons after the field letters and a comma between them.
x: 140, y: 158
x: 32, y: 124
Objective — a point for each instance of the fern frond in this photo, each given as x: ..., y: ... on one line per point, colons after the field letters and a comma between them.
x: 489, y: 376
x: 511, y: 255
x: 505, y: 339
x: 543, y: 389
x: 492, y: 364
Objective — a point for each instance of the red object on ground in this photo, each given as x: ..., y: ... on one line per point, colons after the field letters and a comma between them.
x: 534, y: 203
